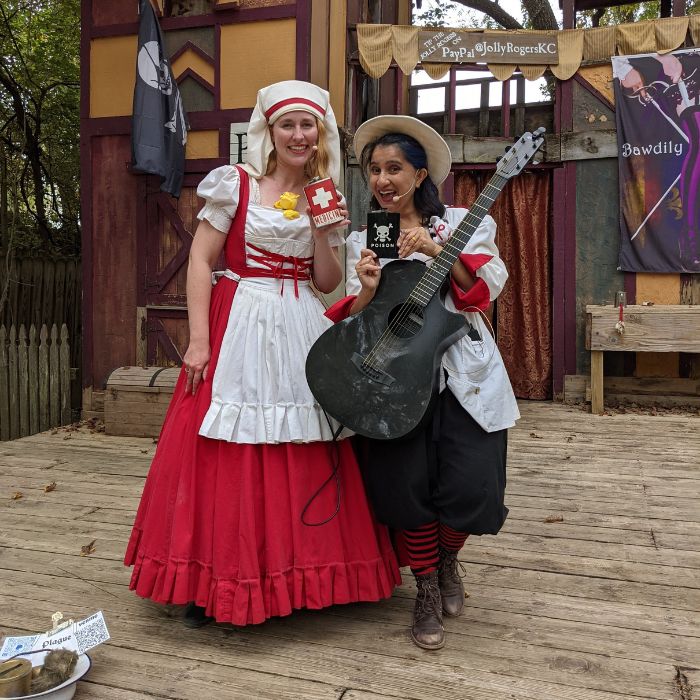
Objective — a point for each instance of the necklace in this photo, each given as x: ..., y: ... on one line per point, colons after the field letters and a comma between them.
x: 288, y: 204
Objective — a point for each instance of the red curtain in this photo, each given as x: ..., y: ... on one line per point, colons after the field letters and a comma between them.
x: 524, y: 310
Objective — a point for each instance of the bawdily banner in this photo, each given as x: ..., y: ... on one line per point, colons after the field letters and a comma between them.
x: 657, y: 109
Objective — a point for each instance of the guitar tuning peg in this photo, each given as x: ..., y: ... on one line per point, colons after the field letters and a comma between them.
x: 498, y: 159
x: 506, y: 149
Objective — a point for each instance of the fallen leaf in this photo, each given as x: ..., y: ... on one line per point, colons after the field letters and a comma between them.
x: 155, y: 441
x: 554, y: 519
x: 87, y: 549
x: 535, y: 435
x: 144, y: 451
x: 67, y: 437
x: 570, y: 438
x: 16, y: 495
x: 50, y: 487
x: 602, y: 118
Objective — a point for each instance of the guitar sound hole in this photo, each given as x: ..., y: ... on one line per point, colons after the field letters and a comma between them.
x: 406, y: 320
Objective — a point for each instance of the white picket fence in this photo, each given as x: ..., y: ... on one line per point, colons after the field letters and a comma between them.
x: 35, y: 381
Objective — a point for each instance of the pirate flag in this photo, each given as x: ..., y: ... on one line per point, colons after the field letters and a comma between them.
x: 159, y: 124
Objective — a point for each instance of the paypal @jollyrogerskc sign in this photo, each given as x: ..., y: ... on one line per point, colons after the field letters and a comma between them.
x: 452, y: 46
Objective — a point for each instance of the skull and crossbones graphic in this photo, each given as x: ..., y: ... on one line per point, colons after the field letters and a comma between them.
x: 382, y: 233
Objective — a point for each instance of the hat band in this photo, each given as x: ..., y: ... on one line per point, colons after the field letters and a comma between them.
x: 301, y: 101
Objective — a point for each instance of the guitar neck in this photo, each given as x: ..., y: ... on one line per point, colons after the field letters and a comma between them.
x: 436, y: 273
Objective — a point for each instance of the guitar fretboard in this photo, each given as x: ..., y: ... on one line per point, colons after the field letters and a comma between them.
x: 436, y: 273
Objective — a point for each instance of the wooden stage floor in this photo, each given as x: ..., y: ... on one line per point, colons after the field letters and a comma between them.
x: 591, y: 591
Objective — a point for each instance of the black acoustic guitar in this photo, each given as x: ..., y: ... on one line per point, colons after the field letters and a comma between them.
x: 377, y: 372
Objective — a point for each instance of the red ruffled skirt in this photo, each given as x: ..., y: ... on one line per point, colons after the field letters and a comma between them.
x: 219, y: 523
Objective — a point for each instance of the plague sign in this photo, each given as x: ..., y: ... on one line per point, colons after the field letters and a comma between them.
x: 484, y: 47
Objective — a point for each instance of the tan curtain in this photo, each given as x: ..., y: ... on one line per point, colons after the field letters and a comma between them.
x: 524, y: 311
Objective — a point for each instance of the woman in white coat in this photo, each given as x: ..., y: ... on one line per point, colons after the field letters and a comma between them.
x: 447, y: 482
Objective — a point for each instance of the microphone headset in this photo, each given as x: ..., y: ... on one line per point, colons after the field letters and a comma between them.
x: 398, y: 197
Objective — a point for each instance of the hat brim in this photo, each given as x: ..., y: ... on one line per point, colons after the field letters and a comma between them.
x: 436, y: 150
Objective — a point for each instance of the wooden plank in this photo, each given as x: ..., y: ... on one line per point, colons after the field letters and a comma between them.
x: 33, y: 374
x: 594, y: 144
x: 37, y: 289
x: 23, y: 376
x: 54, y: 380
x: 65, y: 414
x: 603, y: 605
x: 12, y: 364
x: 4, y: 386
x: 59, y: 293
x: 44, y: 398
x: 48, y: 301
x: 278, y: 648
x: 686, y: 391
x: 597, y: 400
x: 667, y: 328
x: 141, y: 336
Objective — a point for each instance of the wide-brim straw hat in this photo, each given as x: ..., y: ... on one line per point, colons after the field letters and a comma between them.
x: 436, y: 150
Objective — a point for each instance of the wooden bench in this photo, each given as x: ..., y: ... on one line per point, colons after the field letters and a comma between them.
x: 663, y: 328
x: 137, y: 398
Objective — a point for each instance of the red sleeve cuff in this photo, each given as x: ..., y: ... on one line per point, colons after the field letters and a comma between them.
x: 341, y: 309
x: 478, y: 296
x: 473, y: 261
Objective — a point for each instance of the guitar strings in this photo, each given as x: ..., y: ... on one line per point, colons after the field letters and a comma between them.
x: 390, y: 337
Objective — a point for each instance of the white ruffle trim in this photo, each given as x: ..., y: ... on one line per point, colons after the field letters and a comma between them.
x: 218, y: 217
x: 259, y: 388
x: 258, y: 423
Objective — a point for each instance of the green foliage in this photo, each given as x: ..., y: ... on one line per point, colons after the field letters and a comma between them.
x: 40, y: 123
x: 451, y: 14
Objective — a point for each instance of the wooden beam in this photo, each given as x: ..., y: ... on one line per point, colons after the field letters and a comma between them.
x: 663, y: 328
x: 577, y: 145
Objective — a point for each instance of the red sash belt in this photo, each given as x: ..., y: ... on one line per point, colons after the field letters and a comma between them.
x: 283, y: 267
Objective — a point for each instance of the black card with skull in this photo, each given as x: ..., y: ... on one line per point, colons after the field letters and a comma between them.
x: 383, y: 233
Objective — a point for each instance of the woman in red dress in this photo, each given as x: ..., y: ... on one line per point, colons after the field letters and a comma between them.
x: 241, y: 516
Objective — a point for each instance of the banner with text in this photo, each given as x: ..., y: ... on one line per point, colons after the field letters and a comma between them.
x: 657, y: 109
x: 487, y: 47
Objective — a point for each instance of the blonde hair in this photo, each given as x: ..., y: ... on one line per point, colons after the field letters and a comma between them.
x: 317, y: 165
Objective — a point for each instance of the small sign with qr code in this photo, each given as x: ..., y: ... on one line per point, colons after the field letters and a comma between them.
x: 80, y: 636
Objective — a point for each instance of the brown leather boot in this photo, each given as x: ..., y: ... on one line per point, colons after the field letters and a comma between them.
x: 451, y: 585
x: 427, y: 630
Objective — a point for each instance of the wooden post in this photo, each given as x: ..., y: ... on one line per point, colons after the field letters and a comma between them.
x: 33, y: 371
x: 64, y: 380
x: 23, y: 381
x: 54, y: 399
x: 12, y: 365
x: 43, y: 379
x: 4, y: 387
x: 597, y: 382
x: 141, y: 336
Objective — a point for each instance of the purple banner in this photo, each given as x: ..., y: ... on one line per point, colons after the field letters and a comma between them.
x: 657, y: 109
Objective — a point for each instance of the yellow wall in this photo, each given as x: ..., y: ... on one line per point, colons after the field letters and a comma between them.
x: 112, y: 74
x: 193, y: 60
x: 660, y: 289
x: 202, y: 144
x: 336, y: 58
x: 254, y: 54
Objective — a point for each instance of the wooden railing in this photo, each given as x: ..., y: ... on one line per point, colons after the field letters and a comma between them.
x: 35, y: 377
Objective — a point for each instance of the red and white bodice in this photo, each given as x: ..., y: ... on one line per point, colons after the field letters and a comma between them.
x: 259, y: 389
